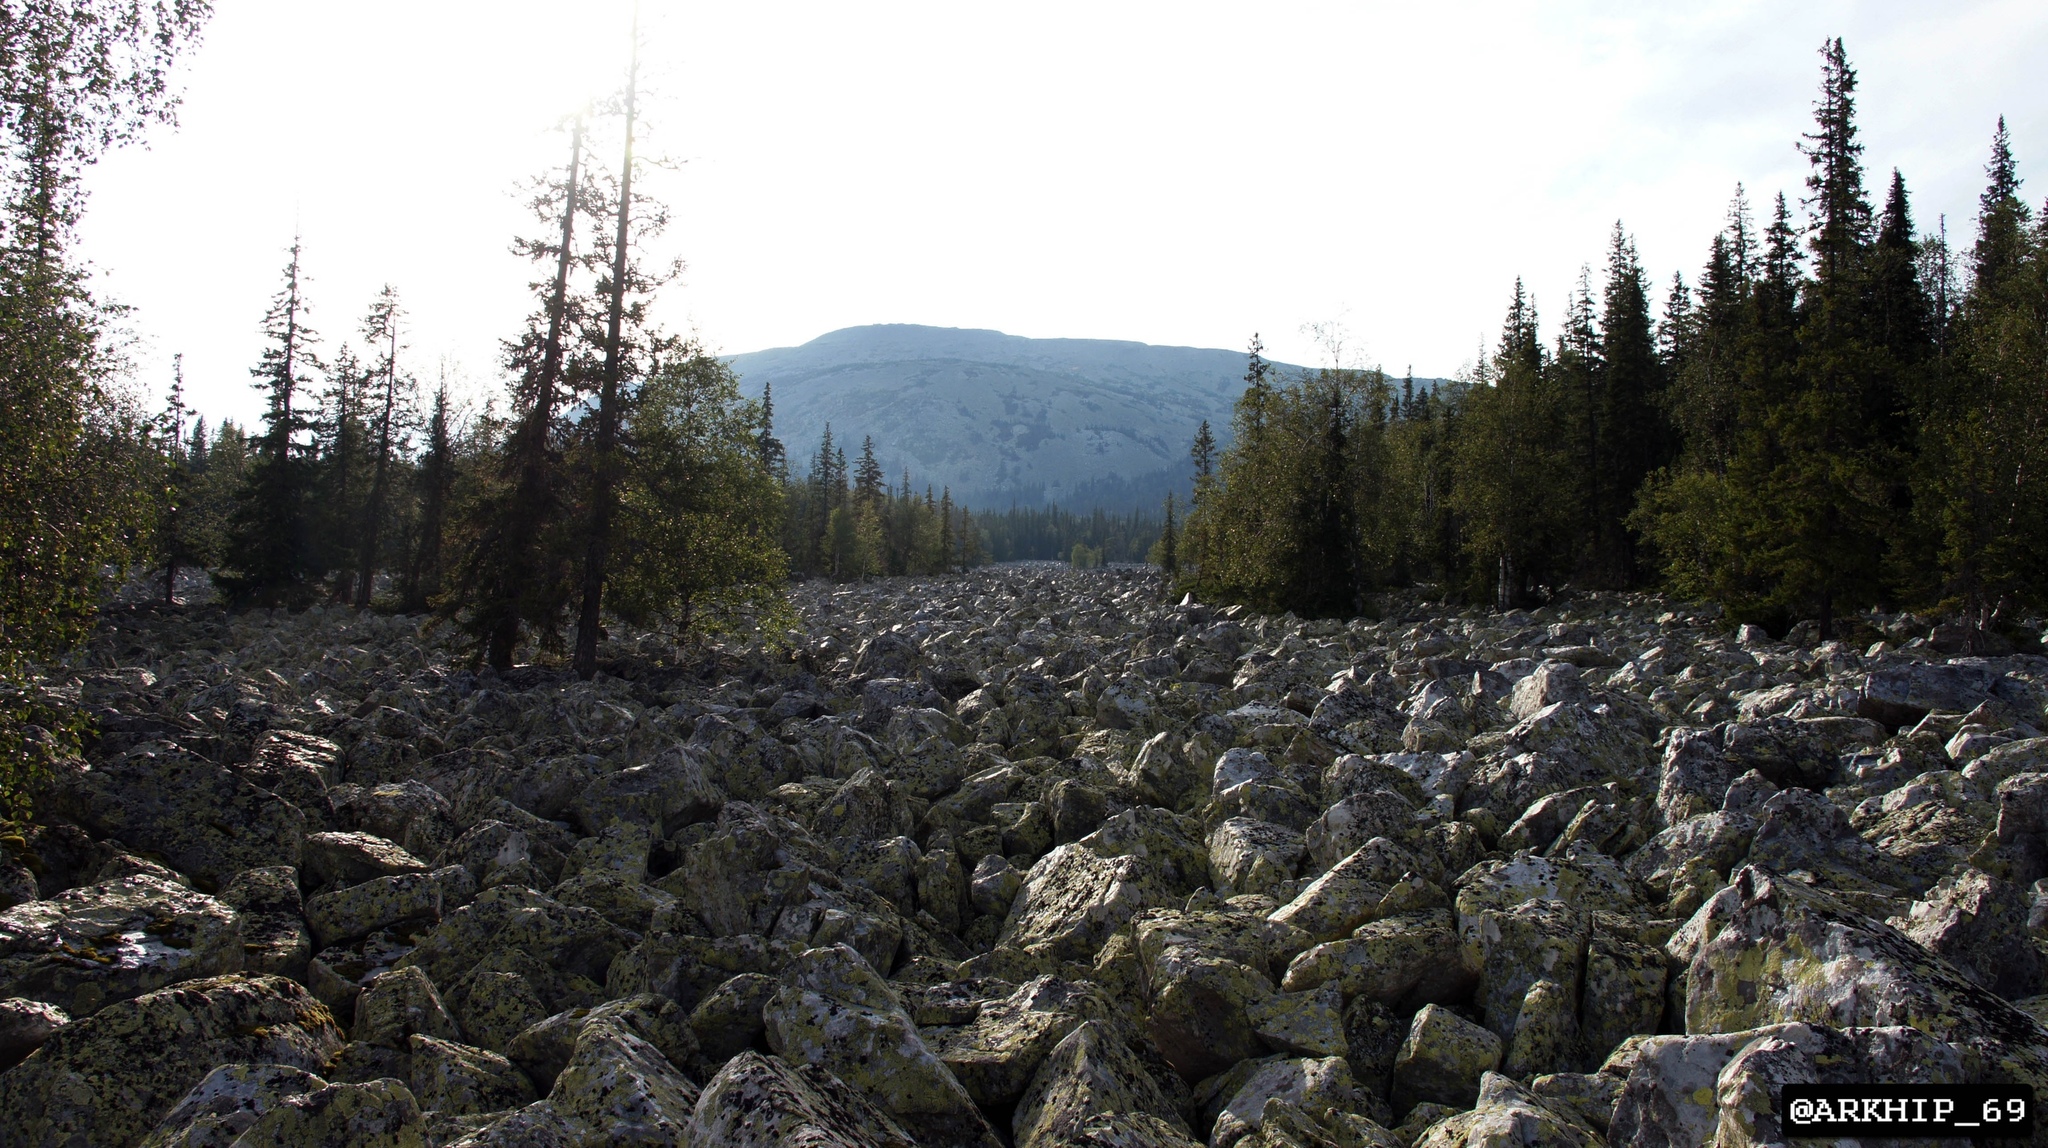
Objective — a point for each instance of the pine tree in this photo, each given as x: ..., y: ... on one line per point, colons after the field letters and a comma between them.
x: 774, y: 457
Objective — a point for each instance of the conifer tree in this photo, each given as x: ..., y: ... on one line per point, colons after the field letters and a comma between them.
x: 268, y: 560
x: 390, y: 404
x: 435, y: 480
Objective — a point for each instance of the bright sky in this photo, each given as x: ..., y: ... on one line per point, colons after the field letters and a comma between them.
x: 1179, y: 173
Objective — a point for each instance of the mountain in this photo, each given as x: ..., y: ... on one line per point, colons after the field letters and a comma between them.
x: 1000, y: 418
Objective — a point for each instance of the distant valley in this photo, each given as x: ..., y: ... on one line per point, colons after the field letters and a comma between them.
x: 1001, y: 418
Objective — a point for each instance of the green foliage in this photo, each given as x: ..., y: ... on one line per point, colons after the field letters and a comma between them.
x: 700, y: 512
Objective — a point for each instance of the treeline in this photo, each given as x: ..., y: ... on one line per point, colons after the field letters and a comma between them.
x: 626, y: 476
x: 850, y: 523
x: 1051, y: 533
x: 1842, y: 412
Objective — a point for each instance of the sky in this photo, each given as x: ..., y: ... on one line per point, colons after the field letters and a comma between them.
x: 1175, y: 173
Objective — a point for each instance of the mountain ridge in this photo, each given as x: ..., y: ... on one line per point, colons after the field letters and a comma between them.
x: 999, y: 418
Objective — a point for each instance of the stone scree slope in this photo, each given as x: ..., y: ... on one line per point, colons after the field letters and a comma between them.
x: 1023, y: 857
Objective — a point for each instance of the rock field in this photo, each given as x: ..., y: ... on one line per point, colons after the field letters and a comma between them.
x: 1024, y: 857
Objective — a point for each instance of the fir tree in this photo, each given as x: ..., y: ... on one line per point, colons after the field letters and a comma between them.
x: 268, y: 555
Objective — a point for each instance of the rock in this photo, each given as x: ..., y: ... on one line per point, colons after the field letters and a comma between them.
x: 995, y: 1055
x: 458, y: 1079
x: 109, y: 1077
x: 1306, y: 1083
x: 1892, y: 981
x: 373, y: 1114
x: 1302, y: 1024
x: 665, y: 794
x: 1747, y: 1091
x: 340, y: 859
x: 88, y: 947
x: 1505, y: 1115
x: 274, y: 934
x: 1379, y: 879
x: 201, y: 819
x: 1077, y: 895
x: 1410, y: 960
x: 1442, y: 1060
x: 728, y: 1020
x: 994, y: 886
x: 416, y: 899
x: 620, y: 1088
x: 833, y: 1011
x: 1089, y: 1076
x: 1247, y: 856
x: 227, y: 1103
x: 759, y: 1101
x: 398, y: 1004
x: 1978, y: 923
x: 24, y: 1026
x: 1548, y: 684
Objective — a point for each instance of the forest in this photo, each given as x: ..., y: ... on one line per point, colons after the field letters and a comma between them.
x: 1844, y: 411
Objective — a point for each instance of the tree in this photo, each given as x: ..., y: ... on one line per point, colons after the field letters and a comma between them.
x: 268, y: 562
x: 435, y: 479
x: 380, y: 331
x: 512, y: 577
x: 697, y: 545
x: 1630, y: 412
x: 177, y: 541
x: 1164, y: 552
x: 77, y: 472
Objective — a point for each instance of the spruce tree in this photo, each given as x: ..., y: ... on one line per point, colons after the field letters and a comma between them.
x: 435, y: 480
x: 1631, y: 400
x: 390, y: 402
x: 268, y: 560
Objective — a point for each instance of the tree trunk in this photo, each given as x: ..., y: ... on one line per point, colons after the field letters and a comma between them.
x: 604, y: 465
x: 373, y: 514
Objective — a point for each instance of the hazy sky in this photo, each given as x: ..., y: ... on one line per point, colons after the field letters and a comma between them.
x: 1177, y: 173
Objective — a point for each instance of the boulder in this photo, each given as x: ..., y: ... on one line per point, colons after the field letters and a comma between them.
x: 832, y: 1010
x: 758, y: 1101
x: 202, y: 820
x: 109, y: 1077
x: 1442, y: 1060
x: 1090, y: 1078
x: 87, y: 947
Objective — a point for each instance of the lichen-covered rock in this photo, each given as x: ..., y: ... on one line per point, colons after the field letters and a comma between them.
x: 620, y: 1089
x: 373, y: 1114
x: 1379, y: 879
x: 463, y: 1080
x: 418, y: 899
x: 1746, y: 1092
x: 995, y: 1055
x: 1310, y: 1084
x: 1768, y: 950
x: 1506, y: 1115
x: 109, y: 1077
x: 229, y: 1102
x: 274, y: 934
x: 1248, y: 856
x: 832, y: 1010
x: 728, y: 1020
x: 1205, y: 971
x: 1978, y: 923
x: 85, y: 948
x: 1302, y: 1024
x: 1413, y: 959
x: 1442, y: 1059
x: 759, y: 1101
x: 330, y: 859
x: 398, y: 1004
x: 204, y: 821
x: 1077, y: 895
x: 24, y: 1025
x: 1089, y: 1075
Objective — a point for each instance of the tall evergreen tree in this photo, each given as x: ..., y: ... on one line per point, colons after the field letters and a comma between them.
x: 435, y: 480
x: 391, y: 401
x: 268, y: 559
